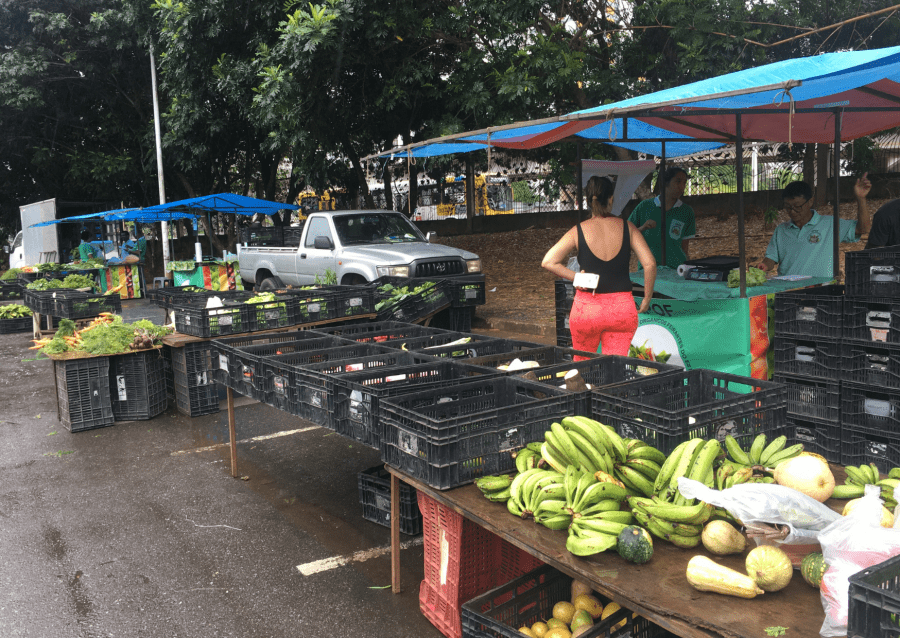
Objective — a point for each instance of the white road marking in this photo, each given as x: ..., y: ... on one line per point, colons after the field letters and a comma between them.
x: 251, y: 440
x: 326, y: 564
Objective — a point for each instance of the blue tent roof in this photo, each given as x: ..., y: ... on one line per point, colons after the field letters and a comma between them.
x: 792, y: 100
x: 127, y: 214
x: 224, y: 203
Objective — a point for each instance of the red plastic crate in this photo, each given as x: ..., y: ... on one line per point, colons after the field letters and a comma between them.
x: 472, y: 562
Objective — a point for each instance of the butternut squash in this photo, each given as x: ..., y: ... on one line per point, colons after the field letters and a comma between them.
x: 705, y: 574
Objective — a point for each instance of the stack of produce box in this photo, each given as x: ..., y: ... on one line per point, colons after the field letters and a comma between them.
x: 808, y: 348
x: 870, y: 362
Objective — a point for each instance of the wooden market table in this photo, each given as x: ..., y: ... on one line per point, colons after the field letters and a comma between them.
x: 657, y: 590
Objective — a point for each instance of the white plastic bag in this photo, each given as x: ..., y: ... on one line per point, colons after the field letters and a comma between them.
x: 849, y: 545
x: 767, y: 503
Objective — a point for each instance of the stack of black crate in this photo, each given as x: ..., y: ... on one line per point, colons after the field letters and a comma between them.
x: 808, y: 348
x: 870, y: 359
x: 565, y: 296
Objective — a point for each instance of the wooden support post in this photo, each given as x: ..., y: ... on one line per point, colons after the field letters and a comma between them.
x: 231, y: 434
x: 395, y: 534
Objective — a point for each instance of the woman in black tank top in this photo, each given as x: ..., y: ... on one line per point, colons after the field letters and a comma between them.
x: 607, y: 314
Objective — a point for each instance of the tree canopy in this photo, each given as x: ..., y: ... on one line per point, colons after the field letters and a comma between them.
x: 254, y: 91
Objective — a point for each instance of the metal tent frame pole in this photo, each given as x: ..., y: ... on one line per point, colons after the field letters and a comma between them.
x: 837, y: 194
x: 662, y: 203
x: 739, y: 175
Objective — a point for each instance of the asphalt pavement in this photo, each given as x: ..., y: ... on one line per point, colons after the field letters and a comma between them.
x: 139, y: 530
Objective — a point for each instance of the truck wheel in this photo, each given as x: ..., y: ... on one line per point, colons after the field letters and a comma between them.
x: 353, y: 280
x: 268, y: 284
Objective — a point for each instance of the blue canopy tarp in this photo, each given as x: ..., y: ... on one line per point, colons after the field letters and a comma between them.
x: 789, y: 101
x: 126, y: 214
x: 223, y: 203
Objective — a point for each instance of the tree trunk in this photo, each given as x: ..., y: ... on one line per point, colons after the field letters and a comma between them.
x: 821, y: 187
x: 358, y: 170
x: 388, y: 189
x: 470, y: 194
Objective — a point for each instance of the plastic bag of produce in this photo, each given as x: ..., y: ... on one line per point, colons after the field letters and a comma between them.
x: 767, y: 503
x: 849, y: 545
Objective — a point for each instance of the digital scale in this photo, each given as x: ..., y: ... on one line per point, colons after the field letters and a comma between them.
x: 714, y: 268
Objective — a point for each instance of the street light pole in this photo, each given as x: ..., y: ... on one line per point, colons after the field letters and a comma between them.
x: 159, y: 165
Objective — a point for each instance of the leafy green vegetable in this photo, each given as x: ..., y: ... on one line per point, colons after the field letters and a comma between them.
x: 56, y: 346
x: 263, y: 297
x: 182, y: 265
x: 14, y: 311
x: 755, y: 277
x: 78, y: 281
x: 51, y: 267
x: 9, y: 275
x: 45, y: 284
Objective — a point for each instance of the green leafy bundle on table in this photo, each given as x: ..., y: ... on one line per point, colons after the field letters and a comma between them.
x: 392, y: 295
x: 9, y: 275
x: 755, y: 277
x: 51, y: 267
x: 45, y: 284
x: 182, y: 265
x: 105, y: 335
x: 14, y: 311
x: 78, y: 281
x: 93, y: 262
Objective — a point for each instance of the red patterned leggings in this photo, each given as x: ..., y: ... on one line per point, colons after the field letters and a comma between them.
x: 608, y: 319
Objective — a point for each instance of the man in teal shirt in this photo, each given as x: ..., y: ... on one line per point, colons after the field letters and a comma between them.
x: 680, y: 224
x: 805, y: 245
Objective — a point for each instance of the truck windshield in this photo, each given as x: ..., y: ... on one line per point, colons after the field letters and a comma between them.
x: 375, y: 228
x: 18, y: 241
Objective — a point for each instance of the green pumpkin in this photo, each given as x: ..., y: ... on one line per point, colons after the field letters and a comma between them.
x: 812, y: 568
x: 635, y: 544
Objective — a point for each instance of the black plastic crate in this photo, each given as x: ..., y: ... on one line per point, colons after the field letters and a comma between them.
x: 477, y: 346
x: 170, y: 296
x: 811, y: 312
x: 200, y: 321
x: 876, y: 365
x: 242, y: 367
x: 665, y: 410
x: 18, y: 324
x: 11, y: 293
x: 564, y: 341
x: 196, y: 400
x: 524, y: 351
x: 446, y: 437
x: 808, y: 356
x: 166, y: 352
x: 357, y: 395
x: 82, y: 391
x: 812, y: 397
x: 875, y: 320
x: 42, y: 301
x: 138, y: 385
x: 817, y: 435
x: 351, y: 300
x: 466, y: 291
x: 268, y: 315
x: 873, y: 273
x: 454, y: 319
x: 72, y: 304
x: 307, y: 388
x: 563, y: 332
x: 375, y: 497
x: 564, y: 293
x: 528, y: 599
x: 314, y: 305
x: 194, y: 362
x: 416, y: 305
x: 870, y: 411
x: 380, y: 331
x: 874, y: 601
x: 859, y: 449
x: 293, y: 235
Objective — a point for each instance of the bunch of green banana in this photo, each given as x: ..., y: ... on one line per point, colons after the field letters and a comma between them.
x: 589, y: 445
x: 694, y: 459
x: 681, y: 525
x: 860, y: 476
x: 529, y: 489
x: 730, y: 474
x: 589, y: 536
x: 495, y: 488
x: 528, y: 457
x: 640, y: 468
x: 762, y: 452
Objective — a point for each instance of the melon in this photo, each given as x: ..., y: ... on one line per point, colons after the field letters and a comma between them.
x: 721, y: 538
x: 770, y: 567
x: 807, y: 474
x: 812, y: 568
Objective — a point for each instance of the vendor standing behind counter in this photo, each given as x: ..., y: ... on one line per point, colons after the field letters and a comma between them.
x: 804, y: 245
x: 647, y: 216
x: 606, y: 315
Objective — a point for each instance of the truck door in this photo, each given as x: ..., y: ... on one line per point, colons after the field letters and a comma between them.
x: 312, y: 261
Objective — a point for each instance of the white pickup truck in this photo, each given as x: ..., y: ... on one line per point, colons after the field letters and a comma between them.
x: 358, y: 246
